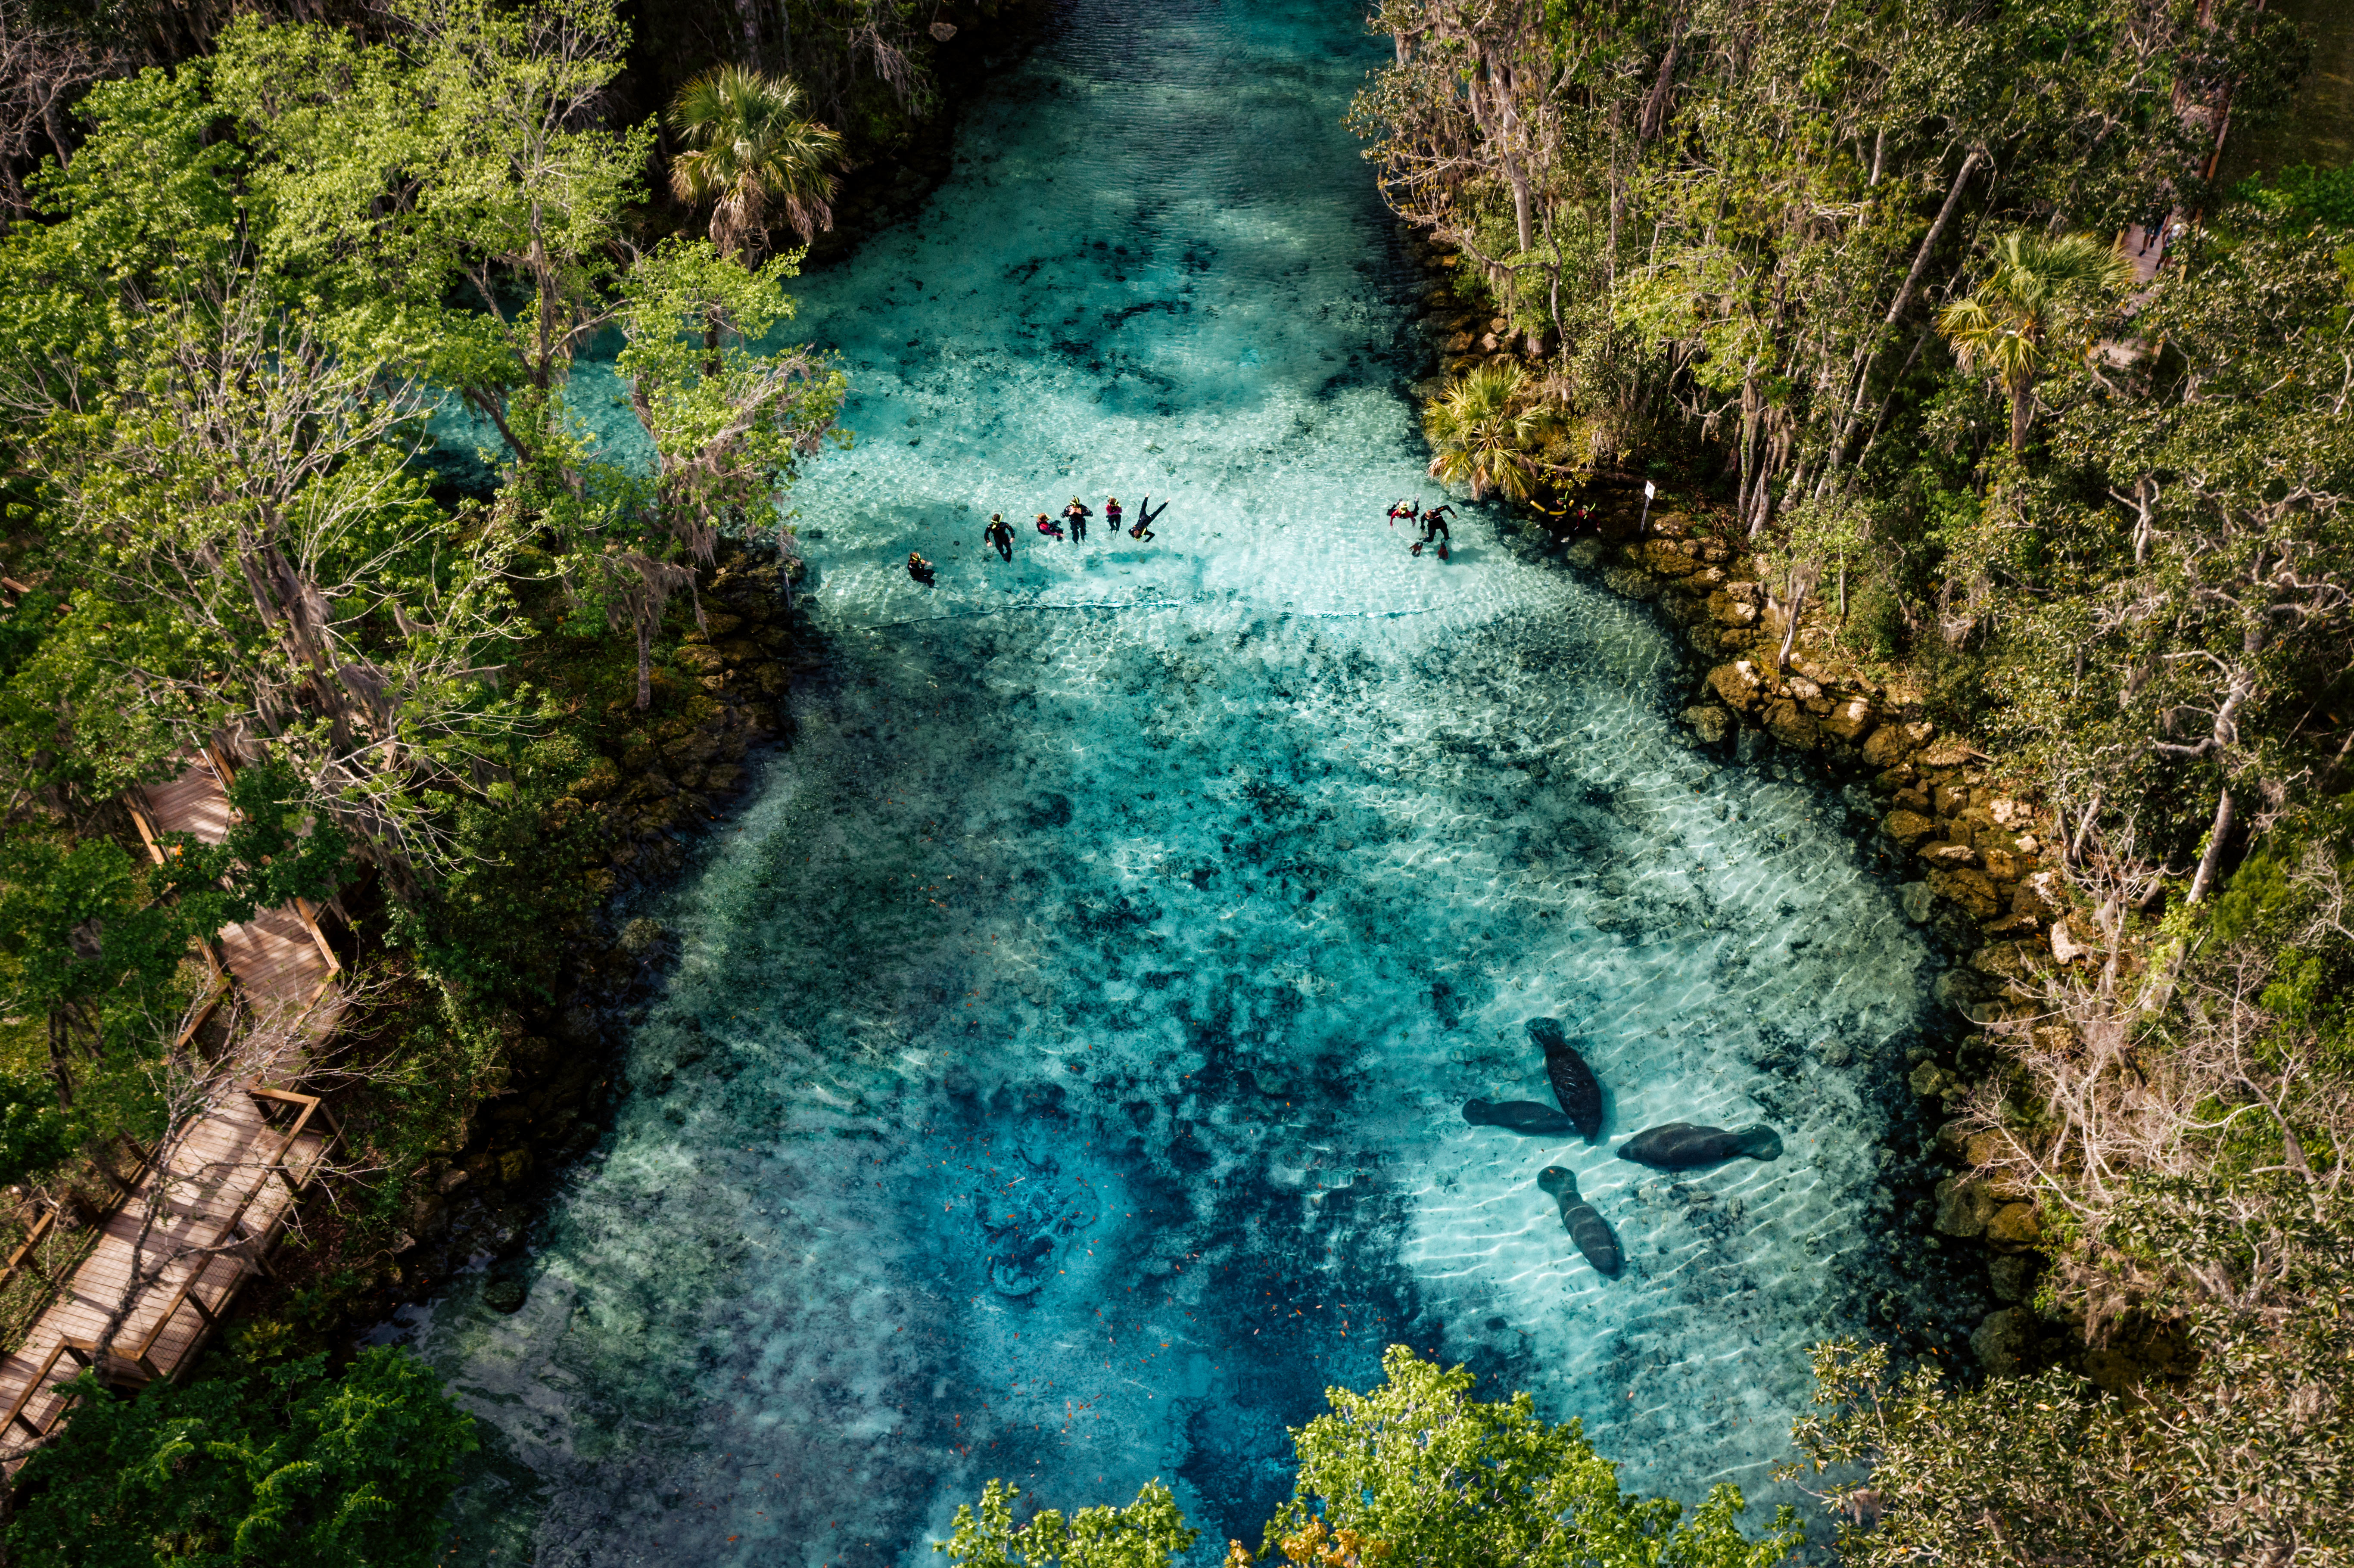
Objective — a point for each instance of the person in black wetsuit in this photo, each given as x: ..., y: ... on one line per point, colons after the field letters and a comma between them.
x: 1145, y: 514
x: 1048, y: 526
x: 1434, y: 526
x: 999, y: 535
x: 1077, y: 515
x: 919, y: 568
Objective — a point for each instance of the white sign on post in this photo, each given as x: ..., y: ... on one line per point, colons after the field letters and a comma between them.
x: 1643, y: 526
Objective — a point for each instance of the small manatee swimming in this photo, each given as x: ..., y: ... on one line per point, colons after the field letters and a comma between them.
x: 1680, y: 1146
x: 1520, y: 1116
x: 1584, y: 1225
x: 1573, y: 1081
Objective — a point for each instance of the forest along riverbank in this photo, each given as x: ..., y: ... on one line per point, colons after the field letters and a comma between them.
x: 1062, y: 1072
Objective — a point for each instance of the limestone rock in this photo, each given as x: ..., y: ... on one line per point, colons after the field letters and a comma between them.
x: 1951, y: 856
x: 1969, y: 888
x: 1738, y: 683
x: 1667, y: 557
x: 2038, y: 896
x: 1907, y: 827
x: 2065, y: 945
x: 1727, y: 610
x: 1848, y: 719
x: 1628, y: 583
x: 1946, y: 753
x: 1586, y: 552
x: 2002, y: 1340
x: 1952, y: 801
x: 2014, y: 1276
x: 1927, y: 1078
x: 1710, y: 723
x: 1793, y: 725
x: 1917, y: 899
x: 1999, y: 864
x: 1964, y: 1206
x: 2014, y: 1228
x: 504, y: 1296
x: 2009, y: 813
x: 1886, y: 746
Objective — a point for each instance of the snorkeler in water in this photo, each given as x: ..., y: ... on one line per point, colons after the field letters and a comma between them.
x: 1399, y: 508
x: 999, y: 535
x: 1077, y: 515
x: 919, y: 568
x: 1145, y: 514
x: 1048, y: 526
x: 1111, y: 512
x: 1434, y: 524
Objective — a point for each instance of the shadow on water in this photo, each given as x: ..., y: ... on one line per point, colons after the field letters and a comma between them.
x: 1060, y: 1077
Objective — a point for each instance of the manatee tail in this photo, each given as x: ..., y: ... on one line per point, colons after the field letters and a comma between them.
x: 1759, y: 1142
x: 1479, y: 1113
x: 1559, y: 1183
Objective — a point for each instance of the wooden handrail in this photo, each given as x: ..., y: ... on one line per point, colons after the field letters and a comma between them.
x: 84, y: 1353
x: 242, y: 1266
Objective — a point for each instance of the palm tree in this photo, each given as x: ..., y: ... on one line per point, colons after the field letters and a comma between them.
x: 2036, y: 304
x: 1481, y: 438
x: 748, y: 152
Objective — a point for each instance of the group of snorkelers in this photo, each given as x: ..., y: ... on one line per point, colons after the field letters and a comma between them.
x: 1434, y: 524
x: 1072, y: 529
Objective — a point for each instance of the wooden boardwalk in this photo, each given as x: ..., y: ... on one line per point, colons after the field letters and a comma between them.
x: 206, y: 1206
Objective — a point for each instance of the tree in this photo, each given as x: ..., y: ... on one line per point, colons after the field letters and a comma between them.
x: 86, y: 933
x: 1449, y: 1481
x: 1147, y: 1533
x: 282, y: 1465
x: 2044, y: 294
x: 1416, y: 1472
x: 730, y: 427
x: 1481, y: 430
x: 748, y: 150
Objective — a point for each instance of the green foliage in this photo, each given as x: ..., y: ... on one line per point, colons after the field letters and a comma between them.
x: 2325, y: 197
x: 1451, y: 1481
x: 1145, y: 1534
x: 1486, y: 432
x: 1416, y: 1472
x: 35, y: 1134
x: 281, y: 1466
x: 79, y: 927
x: 2245, y: 1455
x: 748, y: 147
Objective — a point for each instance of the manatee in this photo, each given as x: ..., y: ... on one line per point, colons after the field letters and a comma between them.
x: 1680, y: 1146
x: 1586, y: 1226
x: 1573, y: 1081
x: 1520, y: 1116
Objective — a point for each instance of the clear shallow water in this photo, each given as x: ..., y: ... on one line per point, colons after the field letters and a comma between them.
x: 1060, y: 1077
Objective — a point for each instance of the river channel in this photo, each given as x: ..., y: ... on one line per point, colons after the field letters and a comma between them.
x: 1061, y: 1074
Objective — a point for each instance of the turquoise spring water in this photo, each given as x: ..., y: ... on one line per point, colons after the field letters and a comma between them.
x: 1060, y: 1078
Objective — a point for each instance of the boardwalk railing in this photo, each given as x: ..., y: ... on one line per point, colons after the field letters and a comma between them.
x: 200, y: 1212
x: 208, y: 1254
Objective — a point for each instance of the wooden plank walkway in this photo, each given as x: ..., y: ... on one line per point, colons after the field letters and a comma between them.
x: 204, y: 1209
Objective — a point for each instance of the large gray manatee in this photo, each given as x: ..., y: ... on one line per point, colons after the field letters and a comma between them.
x: 1680, y: 1146
x: 1573, y: 1084
x: 1522, y: 1115
x: 1584, y: 1223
